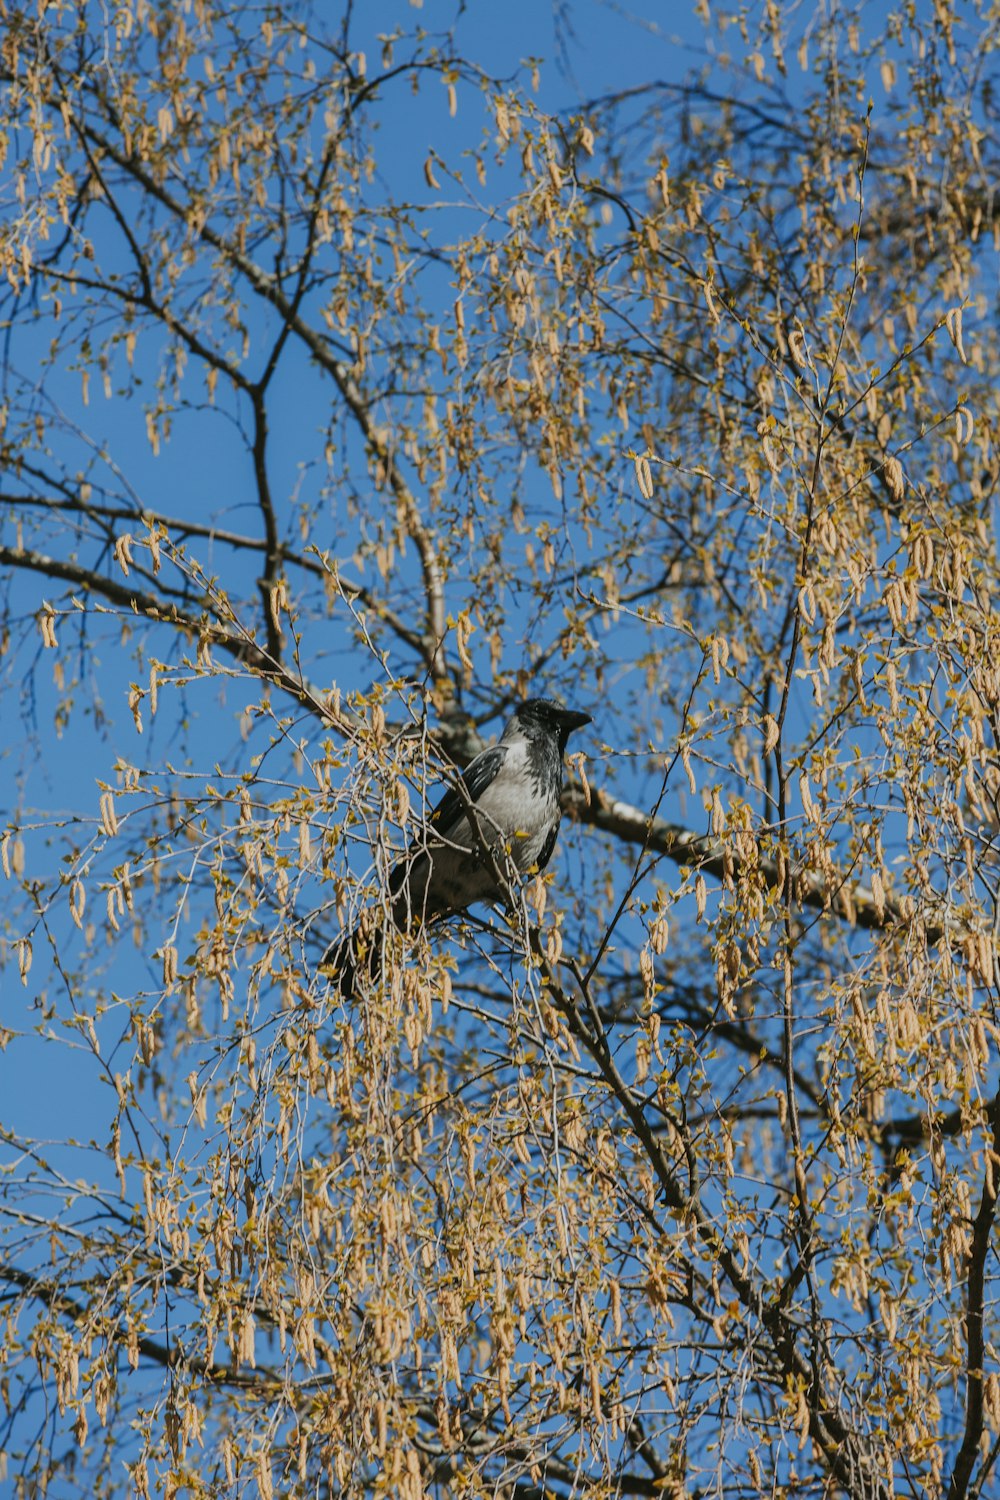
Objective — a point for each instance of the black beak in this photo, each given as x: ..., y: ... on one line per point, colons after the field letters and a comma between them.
x: 569, y: 720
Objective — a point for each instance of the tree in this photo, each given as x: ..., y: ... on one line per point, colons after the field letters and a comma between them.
x: 349, y: 393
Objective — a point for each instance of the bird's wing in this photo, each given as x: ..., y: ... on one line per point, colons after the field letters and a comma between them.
x: 476, y: 777
x: 549, y: 845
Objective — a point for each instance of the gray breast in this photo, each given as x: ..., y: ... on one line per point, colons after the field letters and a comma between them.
x: 516, y: 812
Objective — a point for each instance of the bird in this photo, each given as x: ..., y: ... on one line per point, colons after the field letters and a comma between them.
x: 496, y: 823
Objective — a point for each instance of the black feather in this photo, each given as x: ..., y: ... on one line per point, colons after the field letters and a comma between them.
x: 477, y: 776
x: 549, y: 846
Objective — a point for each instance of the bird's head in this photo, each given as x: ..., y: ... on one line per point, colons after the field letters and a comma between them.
x: 544, y: 714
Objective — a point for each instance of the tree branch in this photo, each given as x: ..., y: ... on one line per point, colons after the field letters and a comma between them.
x: 700, y: 851
x: 237, y: 643
x: 975, y: 1345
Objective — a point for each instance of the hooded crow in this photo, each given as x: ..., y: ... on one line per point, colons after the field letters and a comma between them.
x: 498, y: 822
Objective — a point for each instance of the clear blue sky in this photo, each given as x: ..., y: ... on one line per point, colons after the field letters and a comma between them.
x: 54, y: 1091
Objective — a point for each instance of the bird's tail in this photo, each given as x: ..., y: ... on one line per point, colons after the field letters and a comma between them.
x: 357, y: 956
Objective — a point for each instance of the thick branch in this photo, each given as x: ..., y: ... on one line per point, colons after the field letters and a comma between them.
x: 65, y: 1306
x: 235, y: 642
x: 982, y: 1234
x: 271, y: 579
x: 685, y: 847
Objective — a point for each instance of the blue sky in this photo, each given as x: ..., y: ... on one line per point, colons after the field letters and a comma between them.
x: 51, y: 1090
